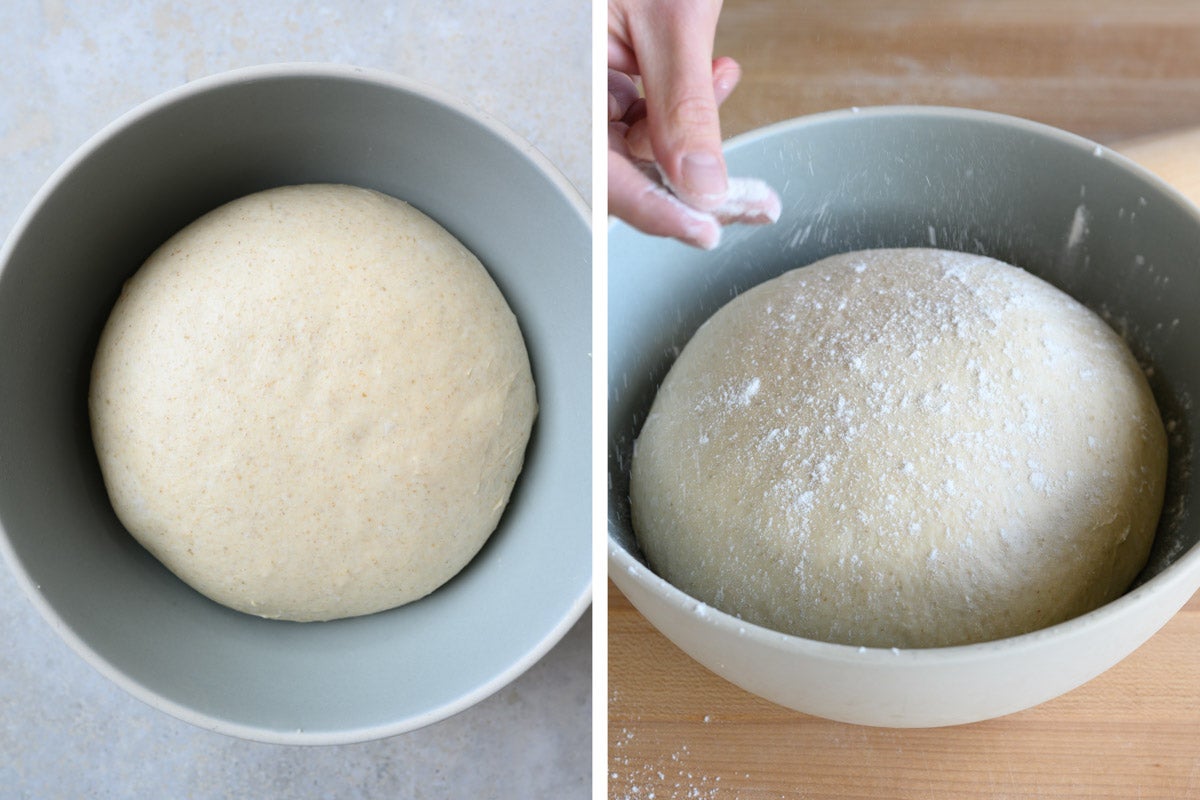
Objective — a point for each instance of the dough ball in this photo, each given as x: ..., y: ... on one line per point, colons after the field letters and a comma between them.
x: 311, y: 403
x: 901, y: 448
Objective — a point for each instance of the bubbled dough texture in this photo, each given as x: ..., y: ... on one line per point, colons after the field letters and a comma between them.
x: 901, y: 448
x: 312, y: 403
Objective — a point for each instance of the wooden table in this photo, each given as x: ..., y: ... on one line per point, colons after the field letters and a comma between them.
x: 676, y: 730
x: 1103, y: 69
x: 1125, y: 74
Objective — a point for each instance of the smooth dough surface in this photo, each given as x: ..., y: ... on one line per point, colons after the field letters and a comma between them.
x: 312, y: 403
x: 901, y: 448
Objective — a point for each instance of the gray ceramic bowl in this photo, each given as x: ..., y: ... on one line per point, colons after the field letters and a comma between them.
x: 130, y: 187
x: 1076, y: 214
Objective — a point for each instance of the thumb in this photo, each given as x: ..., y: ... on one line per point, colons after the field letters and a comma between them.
x: 675, y: 59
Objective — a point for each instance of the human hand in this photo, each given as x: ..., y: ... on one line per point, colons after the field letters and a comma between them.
x: 666, y: 170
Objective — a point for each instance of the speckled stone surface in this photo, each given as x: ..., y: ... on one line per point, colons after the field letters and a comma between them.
x: 66, y: 70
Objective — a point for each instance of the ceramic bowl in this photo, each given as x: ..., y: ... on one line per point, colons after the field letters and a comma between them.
x: 1075, y: 213
x: 122, y: 194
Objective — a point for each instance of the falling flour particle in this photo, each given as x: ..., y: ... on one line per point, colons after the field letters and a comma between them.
x: 1078, y: 227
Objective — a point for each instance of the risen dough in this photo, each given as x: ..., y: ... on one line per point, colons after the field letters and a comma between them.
x: 312, y: 403
x: 901, y: 448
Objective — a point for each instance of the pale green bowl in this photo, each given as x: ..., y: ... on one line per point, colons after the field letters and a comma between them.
x: 122, y: 194
x: 1082, y: 217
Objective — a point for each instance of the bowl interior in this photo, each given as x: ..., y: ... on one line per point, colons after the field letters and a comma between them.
x: 122, y: 195
x: 1075, y: 214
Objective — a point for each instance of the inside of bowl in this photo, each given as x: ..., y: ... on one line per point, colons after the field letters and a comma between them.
x: 135, y: 186
x: 1057, y: 205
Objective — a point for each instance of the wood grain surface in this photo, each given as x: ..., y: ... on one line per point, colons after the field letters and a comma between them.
x: 678, y: 731
x: 1125, y: 74
x: 1106, y: 70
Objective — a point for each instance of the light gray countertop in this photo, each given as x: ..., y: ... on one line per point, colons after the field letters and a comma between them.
x: 66, y: 70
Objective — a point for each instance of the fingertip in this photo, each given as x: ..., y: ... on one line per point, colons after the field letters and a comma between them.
x: 649, y: 207
x: 622, y: 94
x: 708, y: 239
x: 699, y: 229
x: 727, y: 73
x: 751, y: 202
x: 765, y: 210
x: 726, y: 62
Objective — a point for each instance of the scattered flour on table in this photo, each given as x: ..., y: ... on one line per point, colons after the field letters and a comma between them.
x: 669, y: 777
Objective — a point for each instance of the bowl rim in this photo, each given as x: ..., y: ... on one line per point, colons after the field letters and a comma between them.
x: 572, y: 612
x: 623, y: 565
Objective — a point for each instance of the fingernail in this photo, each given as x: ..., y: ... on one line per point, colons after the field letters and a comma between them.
x: 704, y: 174
x: 705, y: 234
